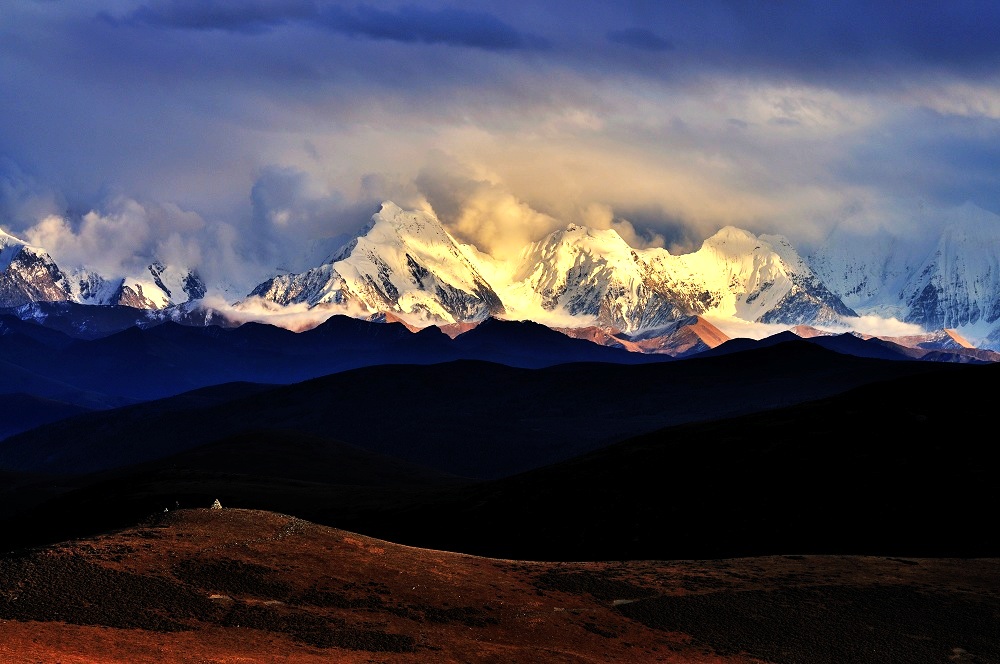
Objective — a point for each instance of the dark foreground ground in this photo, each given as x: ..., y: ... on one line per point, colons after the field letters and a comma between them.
x: 237, y: 585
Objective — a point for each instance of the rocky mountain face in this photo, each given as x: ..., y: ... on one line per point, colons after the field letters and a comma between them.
x: 405, y: 262
x: 946, y: 279
x: 763, y: 279
x: 687, y: 335
x: 158, y: 287
x: 956, y: 286
x: 594, y: 274
x: 28, y: 274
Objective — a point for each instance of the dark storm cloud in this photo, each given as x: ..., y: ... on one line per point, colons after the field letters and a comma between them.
x: 23, y: 199
x: 847, y: 43
x: 283, y: 206
x: 408, y: 24
x: 930, y: 156
x: 819, y: 37
x: 453, y: 27
x: 228, y: 15
x: 676, y: 234
x: 640, y: 38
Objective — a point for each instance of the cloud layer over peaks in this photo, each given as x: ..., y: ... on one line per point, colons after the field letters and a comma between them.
x: 258, y: 131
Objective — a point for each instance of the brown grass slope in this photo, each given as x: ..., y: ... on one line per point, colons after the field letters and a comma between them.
x: 232, y: 585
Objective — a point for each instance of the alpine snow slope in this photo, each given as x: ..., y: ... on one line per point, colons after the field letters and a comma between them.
x: 407, y: 263
x: 29, y: 274
x: 951, y: 280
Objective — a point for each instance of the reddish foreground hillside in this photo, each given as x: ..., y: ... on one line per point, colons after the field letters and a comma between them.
x: 236, y: 585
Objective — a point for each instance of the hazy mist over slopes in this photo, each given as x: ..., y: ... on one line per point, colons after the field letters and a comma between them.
x: 235, y: 136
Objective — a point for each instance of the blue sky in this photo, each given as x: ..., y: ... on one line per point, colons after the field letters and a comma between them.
x: 236, y: 133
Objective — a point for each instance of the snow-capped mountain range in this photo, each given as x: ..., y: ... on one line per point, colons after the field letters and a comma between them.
x: 407, y: 264
x: 948, y: 281
x: 28, y: 274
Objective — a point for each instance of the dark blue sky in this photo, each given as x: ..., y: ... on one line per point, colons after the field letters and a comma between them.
x: 246, y: 129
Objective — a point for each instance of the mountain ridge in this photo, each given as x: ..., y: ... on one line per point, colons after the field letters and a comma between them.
x: 575, y: 273
x: 28, y: 274
x: 407, y: 264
